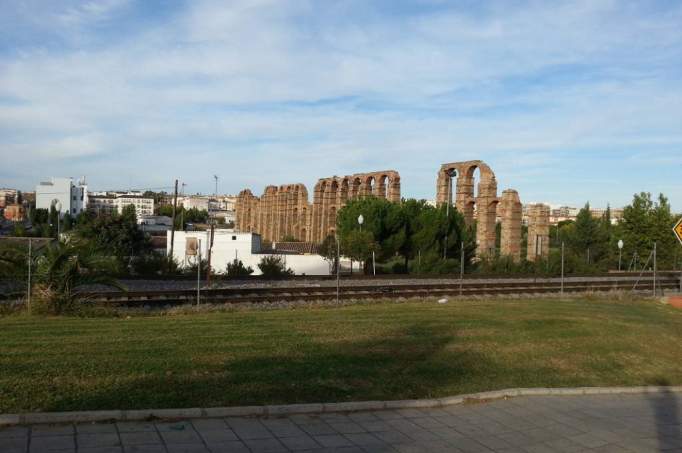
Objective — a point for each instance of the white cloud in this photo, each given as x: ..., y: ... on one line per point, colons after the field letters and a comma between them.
x: 250, y: 86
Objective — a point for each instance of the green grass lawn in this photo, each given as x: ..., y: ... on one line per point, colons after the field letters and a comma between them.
x: 380, y: 351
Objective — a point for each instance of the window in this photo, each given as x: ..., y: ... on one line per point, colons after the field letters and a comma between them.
x: 234, y: 238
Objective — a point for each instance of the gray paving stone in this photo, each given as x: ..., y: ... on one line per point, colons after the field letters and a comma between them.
x: 98, y: 440
x: 228, y: 447
x: 140, y: 438
x: 346, y: 427
x: 96, y: 428
x: 174, y: 426
x: 470, y: 446
x: 282, y: 427
x: 249, y: 429
x: 13, y: 444
x: 181, y: 437
x: 530, y: 424
x: 101, y: 450
x: 52, y: 430
x: 589, y: 440
x: 317, y: 429
x: 132, y: 427
x: 156, y: 448
x: 297, y: 443
x: 218, y: 436
x: 13, y: 431
x: 366, y: 440
x: 52, y: 443
x: 375, y: 426
x: 333, y: 441
x: 209, y: 424
x: 265, y: 445
x: 188, y: 448
x: 393, y: 437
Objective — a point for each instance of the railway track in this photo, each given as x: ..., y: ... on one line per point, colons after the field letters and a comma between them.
x: 384, y: 290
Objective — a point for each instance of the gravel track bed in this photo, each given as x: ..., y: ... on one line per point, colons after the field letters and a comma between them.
x: 169, y: 285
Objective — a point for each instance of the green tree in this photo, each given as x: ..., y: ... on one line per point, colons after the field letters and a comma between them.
x: 644, y: 223
x: 328, y: 250
x: 115, y: 234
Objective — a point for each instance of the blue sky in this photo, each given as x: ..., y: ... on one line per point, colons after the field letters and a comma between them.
x: 568, y: 101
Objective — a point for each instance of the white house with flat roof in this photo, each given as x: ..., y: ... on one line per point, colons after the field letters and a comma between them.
x: 228, y: 245
x: 71, y: 196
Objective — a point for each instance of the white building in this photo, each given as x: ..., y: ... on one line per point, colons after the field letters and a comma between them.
x: 154, y: 223
x: 143, y: 206
x: 115, y: 202
x: 194, y: 202
x: 228, y: 245
x: 73, y: 197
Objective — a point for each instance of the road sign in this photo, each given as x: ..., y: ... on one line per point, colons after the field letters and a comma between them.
x: 678, y: 230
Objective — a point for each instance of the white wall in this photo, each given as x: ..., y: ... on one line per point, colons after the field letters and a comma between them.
x: 245, y: 246
x: 73, y: 197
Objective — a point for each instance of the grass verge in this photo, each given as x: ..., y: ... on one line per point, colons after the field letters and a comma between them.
x: 381, y: 351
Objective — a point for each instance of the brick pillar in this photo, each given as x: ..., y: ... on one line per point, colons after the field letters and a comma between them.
x: 538, y: 232
x: 510, y: 211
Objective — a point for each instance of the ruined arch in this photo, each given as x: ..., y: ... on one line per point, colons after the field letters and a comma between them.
x: 481, y: 206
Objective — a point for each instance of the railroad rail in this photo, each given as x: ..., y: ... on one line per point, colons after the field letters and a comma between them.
x: 260, y: 291
x: 384, y: 290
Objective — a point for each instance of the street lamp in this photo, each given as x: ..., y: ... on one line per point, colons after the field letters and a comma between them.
x: 58, y: 207
x: 620, y: 253
x: 361, y: 220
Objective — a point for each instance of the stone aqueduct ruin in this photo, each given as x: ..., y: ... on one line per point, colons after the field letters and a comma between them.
x: 284, y: 212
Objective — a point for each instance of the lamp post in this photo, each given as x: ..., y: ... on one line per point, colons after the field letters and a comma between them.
x: 361, y: 220
x: 58, y: 207
x: 620, y: 253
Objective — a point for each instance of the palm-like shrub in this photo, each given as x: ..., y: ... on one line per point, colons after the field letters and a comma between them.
x: 65, y: 268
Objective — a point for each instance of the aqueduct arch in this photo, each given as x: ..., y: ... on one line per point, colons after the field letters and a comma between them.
x: 483, y: 205
x: 332, y: 194
x: 284, y: 211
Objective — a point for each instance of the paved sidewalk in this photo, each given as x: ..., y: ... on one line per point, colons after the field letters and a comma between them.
x: 599, y: 423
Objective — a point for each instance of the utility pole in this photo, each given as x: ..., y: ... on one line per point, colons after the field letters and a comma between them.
x: 30, y: 259
x: 210, y: 249
x: 199, y: 273
x: 175, y: 206
x: 562, y: 268
x: 338, y: 268
x: 182, y: 213
x: 211, y: 220
x: 447, y: 216
x: 461, y: 268
x: 655, y: 269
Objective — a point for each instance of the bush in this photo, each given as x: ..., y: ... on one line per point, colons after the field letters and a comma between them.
x: 273, y: 266
x: 153, y: 264
x: 433, y: 263
x: 237, y: 269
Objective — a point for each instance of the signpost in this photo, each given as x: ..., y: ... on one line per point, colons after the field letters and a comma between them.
x: 678, y: 231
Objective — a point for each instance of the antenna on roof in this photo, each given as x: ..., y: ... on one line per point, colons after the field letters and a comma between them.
x: 216, y: 184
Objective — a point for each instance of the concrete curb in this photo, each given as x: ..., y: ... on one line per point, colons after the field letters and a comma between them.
x: 315, y: 408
